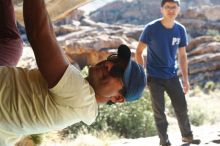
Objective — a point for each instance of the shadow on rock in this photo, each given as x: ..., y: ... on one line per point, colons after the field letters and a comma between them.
x: 195, y: 141
x: 216, y: 141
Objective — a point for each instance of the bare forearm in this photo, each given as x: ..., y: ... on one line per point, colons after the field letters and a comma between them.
x: 50, y: 58
x: 183, y: 63
x: 38, y: 27
x: 139, y: 58
x: 35, y: 18
x: 184, y: 67
x: 139, y: 53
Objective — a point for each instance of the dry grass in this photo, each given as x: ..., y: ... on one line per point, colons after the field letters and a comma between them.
x: 203, y: 108
x: 53, y: 139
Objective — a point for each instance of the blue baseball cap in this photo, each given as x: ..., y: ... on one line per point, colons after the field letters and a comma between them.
x: 134, y: 77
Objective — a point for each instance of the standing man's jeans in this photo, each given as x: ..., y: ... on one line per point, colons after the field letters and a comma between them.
x: 174, y: 89
x: 10, y: 41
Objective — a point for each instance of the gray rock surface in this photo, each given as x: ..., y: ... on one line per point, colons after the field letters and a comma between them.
x: 209, y: 136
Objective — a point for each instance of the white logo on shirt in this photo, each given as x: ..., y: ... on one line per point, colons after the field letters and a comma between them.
x: 176, y: 41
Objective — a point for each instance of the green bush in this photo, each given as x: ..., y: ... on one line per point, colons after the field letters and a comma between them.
x: 37, y: 139
x: 212, y: 32
x: 197, y: 115
x: 129, y: 120
x: 209, y: 86
x: 196, y: 91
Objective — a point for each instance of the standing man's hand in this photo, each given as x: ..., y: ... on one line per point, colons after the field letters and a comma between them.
x: 182, y: 58
x: 186, y: 86
x: 139, y: 53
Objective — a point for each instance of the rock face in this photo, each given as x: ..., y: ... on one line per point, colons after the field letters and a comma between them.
x: 27, y: 59
x: 211, y: 13
x: 199, y: 16
x: 143, y: 11
x: 208, y: 134
x: 133, y: 12
x: 201, y: 21
x: 86, y: 45
x: 204, y: 59
x: 26, y: 141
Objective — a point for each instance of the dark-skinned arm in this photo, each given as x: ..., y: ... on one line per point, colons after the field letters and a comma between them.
x: 50, y: 58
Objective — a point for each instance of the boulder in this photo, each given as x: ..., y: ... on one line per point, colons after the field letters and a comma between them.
x: 194, y: 43
x: 211, y: 12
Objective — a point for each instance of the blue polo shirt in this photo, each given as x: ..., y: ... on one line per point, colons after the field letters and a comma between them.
x: 162, y: 48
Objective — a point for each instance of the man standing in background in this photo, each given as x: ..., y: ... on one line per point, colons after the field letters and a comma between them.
x: 164, y: 38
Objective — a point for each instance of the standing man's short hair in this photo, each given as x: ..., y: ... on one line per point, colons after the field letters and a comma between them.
x: 175, y: 1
